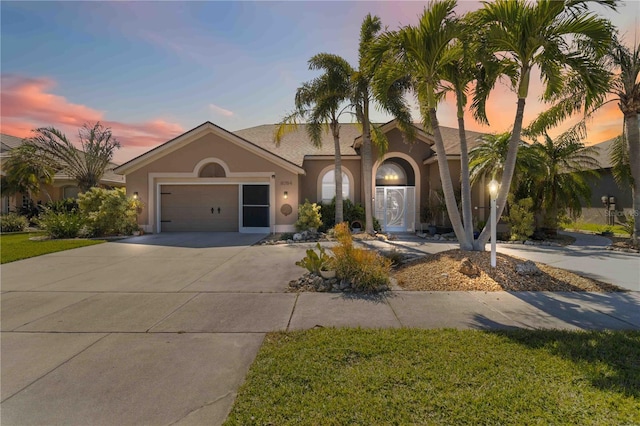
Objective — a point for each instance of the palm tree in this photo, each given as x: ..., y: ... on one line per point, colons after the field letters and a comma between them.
x: 560, y: 38
x: 319, y: 103
x: 423, y: 53
x: 27, y: 170
x: 86, y: 164
x: 487, y: 159
x: 563, y: 183
x: 362, y: 97
x: 623, y: 87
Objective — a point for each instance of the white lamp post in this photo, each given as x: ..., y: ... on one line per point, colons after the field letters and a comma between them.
x: 493, y: 191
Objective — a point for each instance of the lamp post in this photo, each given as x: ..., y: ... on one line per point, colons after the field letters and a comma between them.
x: 493, y: 191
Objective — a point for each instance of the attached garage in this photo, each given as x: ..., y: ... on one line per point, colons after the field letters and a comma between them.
x: 211, y: 180
x: 188, y: 208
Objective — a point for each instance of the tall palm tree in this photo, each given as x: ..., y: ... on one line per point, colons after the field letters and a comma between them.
x: 85, y: 164
x: 320, y: 103
x: 622, y: 85
x: 27, y: 171
x: 561, y: 38
x: 423, y: 53
x: 362, y: 97
x: 563, y: 183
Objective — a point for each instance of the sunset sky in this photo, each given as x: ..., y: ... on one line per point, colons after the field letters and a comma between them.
x: 152, y: 70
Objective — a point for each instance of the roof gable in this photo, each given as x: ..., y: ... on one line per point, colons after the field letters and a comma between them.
x: 194, y: 134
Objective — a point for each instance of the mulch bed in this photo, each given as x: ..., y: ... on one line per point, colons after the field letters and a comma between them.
x: 439, y: 272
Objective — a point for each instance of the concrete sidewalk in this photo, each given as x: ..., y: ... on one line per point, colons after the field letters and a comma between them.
x: 163, y: 331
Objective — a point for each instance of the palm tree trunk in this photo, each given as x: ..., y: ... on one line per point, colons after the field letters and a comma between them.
x: 633, y: 139
x: 338, y: 173
x: 465, y: 184
x: 447, y: 186
x: 507, y: 173
x: 367, y: 169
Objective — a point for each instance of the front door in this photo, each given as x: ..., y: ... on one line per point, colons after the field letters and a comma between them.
x: 395, y: 208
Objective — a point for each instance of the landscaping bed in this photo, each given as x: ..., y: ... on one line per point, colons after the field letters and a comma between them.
x: 440, y: 272
x: 332, y: 376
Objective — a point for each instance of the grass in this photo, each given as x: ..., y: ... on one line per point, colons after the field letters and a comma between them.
x: 365, y: 377
x: 18, y: 246
x: 595, y: 227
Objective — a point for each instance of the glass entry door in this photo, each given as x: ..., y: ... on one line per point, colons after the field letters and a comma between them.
x: 395, y: 208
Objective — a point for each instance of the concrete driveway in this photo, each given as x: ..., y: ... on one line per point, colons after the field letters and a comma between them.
x: 161, y: 329
x: 95, y: 335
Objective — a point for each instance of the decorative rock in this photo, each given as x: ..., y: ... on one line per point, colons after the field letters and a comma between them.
x: 468, y: 268
x: 298, y: 237
x: 344, y: 284
x: 527, y: 268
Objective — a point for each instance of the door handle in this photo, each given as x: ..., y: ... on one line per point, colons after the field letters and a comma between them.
x: 212, y: 210
x: 218, y: 210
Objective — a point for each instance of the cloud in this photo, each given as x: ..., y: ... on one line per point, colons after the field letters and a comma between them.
x: 27, y: 103
x: 220, y: 111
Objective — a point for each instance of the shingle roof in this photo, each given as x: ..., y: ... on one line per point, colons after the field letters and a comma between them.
x: 8, y: 142
x: 603, y: 156
x: 297, y: 144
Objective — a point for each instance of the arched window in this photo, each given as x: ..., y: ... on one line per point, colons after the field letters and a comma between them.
x: 390, y: 173
x: 329, y: 186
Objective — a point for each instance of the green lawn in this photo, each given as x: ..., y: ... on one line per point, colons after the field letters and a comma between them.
x: 18, y: 246
x: 595, y: 227
x: 381, y: 377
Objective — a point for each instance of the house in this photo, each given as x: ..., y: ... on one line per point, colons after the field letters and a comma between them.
x: 211, y: 179
x: 609, y: 202
x: 62, y: 187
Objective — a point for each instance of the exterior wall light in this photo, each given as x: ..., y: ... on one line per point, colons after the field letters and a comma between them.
x: 135, y: 195
x: 286, y: 195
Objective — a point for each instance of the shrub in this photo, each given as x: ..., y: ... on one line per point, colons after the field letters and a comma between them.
x: 61, y: 224
x: 365, y: 269
x: 109, y: 212
x: 628, y: 224
x: 63, y: 206
x: 316, y: 262
x: 350, y: 211
x: 308, y: 216
x: 521, y: 218
x: 13, y: 223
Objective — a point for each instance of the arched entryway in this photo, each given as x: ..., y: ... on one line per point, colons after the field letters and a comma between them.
x: 395, y: 194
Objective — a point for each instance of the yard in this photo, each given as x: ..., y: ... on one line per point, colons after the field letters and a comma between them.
x: 408, y: 376
x: 18, y: 246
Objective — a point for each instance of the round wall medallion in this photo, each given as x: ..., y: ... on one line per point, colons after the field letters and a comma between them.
x: 286, y: 209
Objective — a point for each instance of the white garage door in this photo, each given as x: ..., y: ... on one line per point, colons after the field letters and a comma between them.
x: 204, y: 208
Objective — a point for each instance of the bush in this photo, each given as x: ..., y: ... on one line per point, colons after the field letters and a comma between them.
x: 351, y: 212
x: 628, y: 224
x: 13, y: 223
x: 521, y: 218
x: 316, y: 262
x: 308, y: 216
x: 109, y: 212
x: 67, y: 205
x: 365, y: 269
x: 61, y: 224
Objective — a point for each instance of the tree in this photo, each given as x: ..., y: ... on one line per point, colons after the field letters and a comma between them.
x: 362, y: 97
x: 423, y: 53
x: 86, y: 164
x: 27, y: 171
x: 563, y: 182
x: 562, y: 39
x: 320, y: 103
x: 623, y: 86
x: 487, y: 159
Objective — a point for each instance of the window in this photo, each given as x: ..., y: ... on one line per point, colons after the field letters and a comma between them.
x: 329, y: 186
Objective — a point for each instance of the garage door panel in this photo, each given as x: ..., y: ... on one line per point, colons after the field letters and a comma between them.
x: 211, y: 208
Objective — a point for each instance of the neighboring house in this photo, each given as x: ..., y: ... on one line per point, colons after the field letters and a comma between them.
x: 211, y: 179
x: 62, y: 187
x: 618, y: 200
